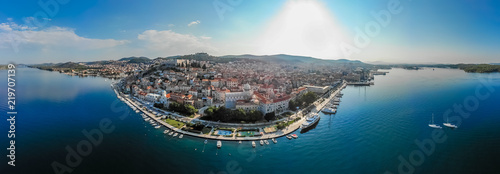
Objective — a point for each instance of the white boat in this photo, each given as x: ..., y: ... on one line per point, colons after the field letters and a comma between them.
x: 261, y: 142
x: 431, y: 124
x: 182, y: 135
x: 157, y: 127
x: 206, y: 141
x: 171, y: 133
x: 165, y: 132
x: 176, y: 134
x: 328, y: 110
x: 274, y: 140
x: 267, y: 142
x: 295, y: 136
x: 253, y: 144
x: 448, y: 124
x: 239, y: 142
x: 289, y: 137
x: 311, y: 120
x: 219, y: 144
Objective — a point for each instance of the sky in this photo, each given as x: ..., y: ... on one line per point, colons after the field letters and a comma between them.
x: 375, y: 31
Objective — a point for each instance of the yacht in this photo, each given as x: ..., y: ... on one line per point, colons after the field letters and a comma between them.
x: 219, y: 144
x: 182, y: 135
x: 157, y: 127
x: 166, y: 131
x: 261, y: 142
x: 253, y: 144
x: 171, y: 133
x: 448, y: 124
x: 274, y: 140
x: 431, y: 124
x: 329, y: 110
x: 311, y: 120
x: 176, y: 134
x: 267, y: 142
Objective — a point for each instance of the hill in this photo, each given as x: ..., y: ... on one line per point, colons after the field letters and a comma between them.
x: 135, y: 59
x: 279, y: 58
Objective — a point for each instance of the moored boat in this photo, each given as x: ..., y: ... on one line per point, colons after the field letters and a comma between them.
x: 261, y: 142
x: 253, y: 144
x: 311, y: 120
x: 219, y: 144
x: 431, y: 124
x: 274, y: 140
x: 295, y: 136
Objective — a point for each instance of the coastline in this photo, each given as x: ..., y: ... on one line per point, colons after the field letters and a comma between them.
x: 280, y: 133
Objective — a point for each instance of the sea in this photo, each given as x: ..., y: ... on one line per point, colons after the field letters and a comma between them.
x: 71, y: 124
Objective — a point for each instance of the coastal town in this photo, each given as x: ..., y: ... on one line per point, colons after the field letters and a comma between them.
x: 240, y: 100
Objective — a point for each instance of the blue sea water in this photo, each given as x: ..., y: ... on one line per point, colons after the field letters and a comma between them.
x: 374, y: 130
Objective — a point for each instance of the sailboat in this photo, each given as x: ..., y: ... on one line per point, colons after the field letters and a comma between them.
x: 431, y: 124
x: 448, y: 124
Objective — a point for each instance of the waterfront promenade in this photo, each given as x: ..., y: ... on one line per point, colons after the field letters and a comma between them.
x: 279, y: 133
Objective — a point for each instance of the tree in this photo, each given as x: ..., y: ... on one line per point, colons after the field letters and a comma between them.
x: 204, y: 66
x: 270, y: 116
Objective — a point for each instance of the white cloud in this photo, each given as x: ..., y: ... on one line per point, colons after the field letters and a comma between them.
x: 14, y: 35
x: 205, y: 37
x: 5, y: 27
x: 168, y: 42
x: 194, y: 23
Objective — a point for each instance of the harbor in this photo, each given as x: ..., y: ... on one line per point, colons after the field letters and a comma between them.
x: 157, y: 122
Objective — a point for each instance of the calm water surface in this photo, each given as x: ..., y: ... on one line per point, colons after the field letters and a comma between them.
x: 373, y: 127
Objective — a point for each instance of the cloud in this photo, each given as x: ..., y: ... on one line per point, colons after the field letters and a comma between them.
x: 16, y: 36
x: 5, y: 27
x: 168, y: 42
x: 171, y: 25
x: 194, y: 23
x: 205, y: 37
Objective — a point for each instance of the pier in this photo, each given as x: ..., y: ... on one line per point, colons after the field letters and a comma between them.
x: 291, y: 128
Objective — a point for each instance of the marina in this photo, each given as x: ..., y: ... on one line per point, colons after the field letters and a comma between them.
x: 155, y: 119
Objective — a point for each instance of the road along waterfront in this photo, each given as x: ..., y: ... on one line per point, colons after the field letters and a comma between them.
x: 283, y: 132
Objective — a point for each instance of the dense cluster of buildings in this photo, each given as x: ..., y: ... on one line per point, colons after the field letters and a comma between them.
x: 247, y: 85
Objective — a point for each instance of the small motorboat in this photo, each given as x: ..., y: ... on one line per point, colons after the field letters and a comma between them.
x: 182, y: 135
x: 274, y: 140
x: 267, y: 142
x: 253, y: 144
x: 157, y: 127
x: 289, y: 137
x: 171, y: 133
x: 295, y: 136
x: 165, y: 132
x: 239, y: 142
x: 176, y: 134
x: 206, y: 141
x: 261, y: 142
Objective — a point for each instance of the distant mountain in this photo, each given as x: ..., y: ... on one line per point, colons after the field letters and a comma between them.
x: 70, y: 65
x: 495, y: 63
x: 135, y: 59
x: 293, y: 59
